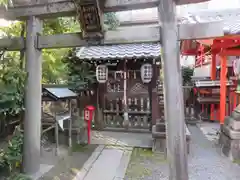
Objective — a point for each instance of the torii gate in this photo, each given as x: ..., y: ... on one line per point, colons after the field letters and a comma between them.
x: 34, y: 11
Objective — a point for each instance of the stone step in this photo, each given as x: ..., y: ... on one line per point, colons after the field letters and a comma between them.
x: 230, y: 147
x: 236, y: 115
x: 232, y: 134
x: 232, y: 123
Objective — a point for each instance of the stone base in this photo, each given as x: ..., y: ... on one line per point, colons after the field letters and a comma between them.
x: 44, y: 168
x: 232, y: 123
x: 228, y: 131
x: 159, y: 139
x: 230, y: 147
x: 229, y: 139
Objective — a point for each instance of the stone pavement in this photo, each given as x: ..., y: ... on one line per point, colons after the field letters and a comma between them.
x: 113, y: 162
x: 205, y: 162
x: 143, y: 140
x: 210, y: 130
x: 106, y: 162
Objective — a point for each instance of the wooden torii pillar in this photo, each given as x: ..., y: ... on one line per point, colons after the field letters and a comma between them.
x: 33, y: 98
x: 173, y: 92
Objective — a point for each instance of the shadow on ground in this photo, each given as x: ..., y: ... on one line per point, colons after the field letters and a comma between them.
x: 68, y: 165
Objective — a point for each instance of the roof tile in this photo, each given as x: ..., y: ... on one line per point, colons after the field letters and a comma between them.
x: 121, y: 51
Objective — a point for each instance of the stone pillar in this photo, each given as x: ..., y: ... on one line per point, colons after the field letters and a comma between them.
x: 230, y: 135
x: 33, y: 98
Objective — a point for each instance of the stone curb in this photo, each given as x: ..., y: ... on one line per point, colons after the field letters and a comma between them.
x: 88, y: 164
x: 122, y: 168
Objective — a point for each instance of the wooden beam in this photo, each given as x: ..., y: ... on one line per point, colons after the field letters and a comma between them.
x: 60, y: 8
x: 181, y: 2
x: 201, y: 30
x: 139, y: 22
x: 61, y: 41
x: 135, y: 34
x: 123, y: 35
x: 120, y: 36
x: 12, y: 44
x: 124, y: 5
x: 51, y: 10
x: 67, y: 8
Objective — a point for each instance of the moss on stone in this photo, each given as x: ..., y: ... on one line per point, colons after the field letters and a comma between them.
x: 138, y: 165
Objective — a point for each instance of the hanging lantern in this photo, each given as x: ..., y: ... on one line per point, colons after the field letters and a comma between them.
x: 146, y: 73
x: 102, y: 73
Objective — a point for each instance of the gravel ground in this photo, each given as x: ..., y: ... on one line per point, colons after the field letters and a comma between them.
x: 68, y: 166
x: 205, y: 162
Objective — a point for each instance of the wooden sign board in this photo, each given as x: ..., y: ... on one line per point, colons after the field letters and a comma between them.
x: 90, y: 17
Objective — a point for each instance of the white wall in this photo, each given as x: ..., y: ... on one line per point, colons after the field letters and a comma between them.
x: 187, y: 60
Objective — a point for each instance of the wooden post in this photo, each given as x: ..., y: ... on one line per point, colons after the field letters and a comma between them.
x: 70, y: 125
x: 213, y: 77
x: 173, y: 93
x: 125, y: 114
x: 33, y: 99
x: 154, y: 96
x: 213, y: 67
x: 223, y: 88
x: 56, y: 134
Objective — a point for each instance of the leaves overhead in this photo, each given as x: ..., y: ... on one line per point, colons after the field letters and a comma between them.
x: 81, y: 75
x: 54, y: 70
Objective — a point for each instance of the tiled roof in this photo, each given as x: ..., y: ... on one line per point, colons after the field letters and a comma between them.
x: 229, y: 16
x: 232, y: 28
x: 123, y: 51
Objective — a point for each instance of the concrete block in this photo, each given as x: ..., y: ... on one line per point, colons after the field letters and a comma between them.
x: 236, y: 115
x: 232, y: 123
x: 232, y: 134
x: 237, y: 109
x: 230, y: 147
x: 161, y: 127
x: 159, y: 140
x: 159, y: 145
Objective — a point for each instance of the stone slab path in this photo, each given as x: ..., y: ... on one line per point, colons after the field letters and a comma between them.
x: 143, y: 140
x: 210, y: 130
x: 106, y: 162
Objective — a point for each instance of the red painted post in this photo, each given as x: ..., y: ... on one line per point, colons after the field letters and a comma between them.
x: 88, y: 117
x: 223, y: 88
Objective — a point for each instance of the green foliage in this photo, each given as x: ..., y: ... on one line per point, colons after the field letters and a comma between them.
x: 53, y: 68
x: 12, y: 81
x: 187, y: 73
x: 11, y: 156
x: 111, y: 21
x: 60, y: 25
x: 18, y: 176
x: 4, y: 3
x: 80, y: 74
